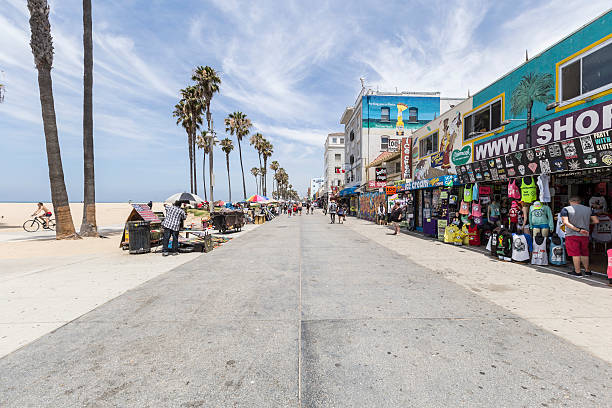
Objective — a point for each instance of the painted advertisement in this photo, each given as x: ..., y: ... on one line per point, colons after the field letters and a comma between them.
x: 369, y: 203
x: 398, y: 112
x: 444, y: 137
x: 406, y: 158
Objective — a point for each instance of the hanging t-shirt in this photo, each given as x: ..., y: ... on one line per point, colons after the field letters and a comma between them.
x: 520, y: 250
x: 528, y: 190
x: 513, y: 190
x: 560, y: 229
x: 539, y: 256
x: 474, y: 235
x: 602, y: 232
x: 557, y: 252
x: 494, y: 241
x: 464, y: 208
x: 609, y: 263
x: 514, y: 215
x: 504, y: 244
x: 544, y: 186
x: 598, y: 204
x: 449, y: 233
x: 467, y: 193
x: 475, y: 192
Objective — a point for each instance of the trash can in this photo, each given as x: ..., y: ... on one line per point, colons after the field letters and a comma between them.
x: 139, y: 237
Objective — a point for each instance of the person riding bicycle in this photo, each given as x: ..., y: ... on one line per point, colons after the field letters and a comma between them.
x: 45, y: 215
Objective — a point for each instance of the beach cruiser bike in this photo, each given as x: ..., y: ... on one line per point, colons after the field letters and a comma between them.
x: 36, y: 223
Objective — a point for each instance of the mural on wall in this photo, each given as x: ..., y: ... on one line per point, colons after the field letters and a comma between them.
x: 380, y: 111
x: 449, y: 153
x: 368, y: 203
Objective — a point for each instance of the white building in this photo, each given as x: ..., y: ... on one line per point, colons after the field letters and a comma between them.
x: 376, y: 122
x: 334, y: 163
x: 315, y: 185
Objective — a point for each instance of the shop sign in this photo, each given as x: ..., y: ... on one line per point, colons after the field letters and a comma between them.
x: 406, y: 158
x: 376, y: 184
x: 381, y: 173
x: 579, y: 153
x: 394, y: 145
x: 437, y: 159
x: 390, y: 190
x: 596, y: 118
x: 444, y: 181
x: 462, y: 156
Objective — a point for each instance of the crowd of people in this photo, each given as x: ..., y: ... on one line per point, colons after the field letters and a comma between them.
x: 294, y: 208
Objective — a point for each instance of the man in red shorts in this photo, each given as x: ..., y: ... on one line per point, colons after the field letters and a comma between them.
x: 577, y: 219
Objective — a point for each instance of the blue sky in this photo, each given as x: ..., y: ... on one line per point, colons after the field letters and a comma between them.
x: 291, y: 66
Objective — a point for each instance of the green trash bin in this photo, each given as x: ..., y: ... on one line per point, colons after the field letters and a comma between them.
x: 140, y: 237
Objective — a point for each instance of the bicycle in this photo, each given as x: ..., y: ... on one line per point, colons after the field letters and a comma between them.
x: 35, y: 223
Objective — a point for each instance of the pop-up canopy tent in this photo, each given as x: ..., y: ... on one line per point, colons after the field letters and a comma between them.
x: 258, y: 199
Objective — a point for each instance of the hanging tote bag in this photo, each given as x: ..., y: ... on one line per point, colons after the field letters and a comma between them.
x: 476, y: 209
x: 464, y: 208
x: 513, y: 190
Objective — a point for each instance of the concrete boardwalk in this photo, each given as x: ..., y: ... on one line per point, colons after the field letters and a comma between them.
x: 302, y: 313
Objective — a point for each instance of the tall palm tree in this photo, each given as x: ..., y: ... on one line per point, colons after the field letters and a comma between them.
x: 237, y: 124
x: 203, y: 142
x: 42, y: 49
x: 208, y: 81
x: 89, y: 227
x: 257, y: 142
x: 266, y: 152
x: 532, y: 88
x: 274, y: 166
x: 255, y: 173
x: 189, y: 114
x: 227, y: 146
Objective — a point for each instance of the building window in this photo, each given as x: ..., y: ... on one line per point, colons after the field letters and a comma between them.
x: 385, y: 114
x: 398, y: 167
x: 352, y: 160
x: 338, y: 156
x: 384, y: 143
x: 428, y: 145
x: 590, y: 73
x: 485, y: 120
x: 413, y: 115
x: 341, y: 140
x: 334, y: 140
x: 352, y: 136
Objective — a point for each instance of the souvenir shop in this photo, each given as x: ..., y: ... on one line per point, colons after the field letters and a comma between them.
x: 512, y: 202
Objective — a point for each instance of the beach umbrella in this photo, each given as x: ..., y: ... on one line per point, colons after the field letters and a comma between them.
x: 184, y: 197
x: 220, y: 203
x: 258, y: 199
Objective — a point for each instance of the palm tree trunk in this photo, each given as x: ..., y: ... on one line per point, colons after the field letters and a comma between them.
x: 204, y: 176
x: 89, y: 227
x: 528, y: 133
x: 194, y: 163
x: 242, y: 170
x: 59, y: 195
x: 229, y: 180
x: 265, y: 176
x: 189, y: 137
x: 257, y: 185
x: 212, y: 148
x: 260, y: 175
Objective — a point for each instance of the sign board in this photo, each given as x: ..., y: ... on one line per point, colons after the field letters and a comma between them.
x: 376, y: 184
x: 381, y: 173
x: 390, y: 190
x: 406, y: 150
x: 394, y: 145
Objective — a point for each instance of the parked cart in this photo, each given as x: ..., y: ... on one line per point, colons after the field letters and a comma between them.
x: 227, y: 220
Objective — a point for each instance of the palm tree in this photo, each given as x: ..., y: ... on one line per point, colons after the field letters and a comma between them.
x: 257, y: 142
x: 203, y: 142
x: 255, y: 173
x: 89, y: 227
x: 274, y: 166
x: 42, y: 49
x: 208, y: 81
x: 237, y: 124
x: 266, y: 152
x: 189, y: 114
x: 532, y: 88
x: 227, y: 146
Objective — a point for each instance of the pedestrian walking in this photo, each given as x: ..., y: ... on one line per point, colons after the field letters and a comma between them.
x: 381, y: 213
x: 340, y: 214
x: 395, y: 217
x: 332, y: 208
x: 300, y: 208
x: 289, y: 209
x: 577, y: 219
x: 172, y: 225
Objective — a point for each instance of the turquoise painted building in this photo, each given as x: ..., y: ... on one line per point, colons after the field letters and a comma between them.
x: 568, y: 88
